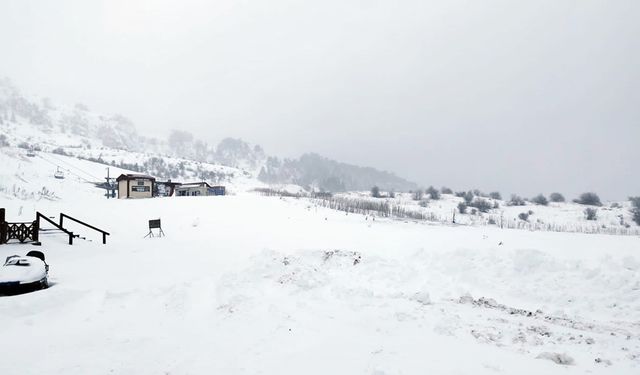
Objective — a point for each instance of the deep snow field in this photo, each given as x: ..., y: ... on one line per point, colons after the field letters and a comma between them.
x: 246, y: 284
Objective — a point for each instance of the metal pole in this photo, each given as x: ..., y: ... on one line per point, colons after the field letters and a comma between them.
x: 108, y: 184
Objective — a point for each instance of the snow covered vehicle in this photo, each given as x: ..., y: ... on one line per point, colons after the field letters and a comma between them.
x: 22, y: 274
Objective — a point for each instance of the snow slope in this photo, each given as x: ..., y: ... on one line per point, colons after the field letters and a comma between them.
x: 246, y: 284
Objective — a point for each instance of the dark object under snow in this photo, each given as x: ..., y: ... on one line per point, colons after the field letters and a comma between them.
x: 22, y: 274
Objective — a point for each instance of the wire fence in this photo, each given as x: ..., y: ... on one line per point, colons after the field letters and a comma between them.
x: 390, y: 209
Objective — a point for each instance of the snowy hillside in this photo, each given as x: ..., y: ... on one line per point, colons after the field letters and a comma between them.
x: 34, y: 122
x: 248, y: 284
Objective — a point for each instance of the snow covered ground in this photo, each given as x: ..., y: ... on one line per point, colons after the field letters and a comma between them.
x: 247, y: 284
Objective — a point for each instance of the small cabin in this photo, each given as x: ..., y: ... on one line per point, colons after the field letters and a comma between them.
x: 135, y: 186
x: 199, y: 189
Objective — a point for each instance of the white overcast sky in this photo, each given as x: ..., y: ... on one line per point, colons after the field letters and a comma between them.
x: 516, y: 96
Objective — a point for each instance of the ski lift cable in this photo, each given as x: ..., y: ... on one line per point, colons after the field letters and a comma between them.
x: 58, y: 166
x: 73, y: 166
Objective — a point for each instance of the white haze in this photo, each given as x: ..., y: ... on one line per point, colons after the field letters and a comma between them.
x: 523, y: 97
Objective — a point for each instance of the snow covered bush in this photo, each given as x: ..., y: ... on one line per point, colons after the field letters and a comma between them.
x: 591, y: 213
x: 559, y: 358
x: 556, y: 197
x: 495, y: 195
x: 524, y: 216
x: 635, y: 210
x: 588, y: 199
x: 516, y: 201
x: 3, y: 141
x: 59, y: 151
x: 418, y: 194
x: 462, y: 207
x: 481, y: 204
x: 540, y: 200
x: 433, y: 193
x: 446, y: 190
x: 375, y: 192
x: 468, y: 197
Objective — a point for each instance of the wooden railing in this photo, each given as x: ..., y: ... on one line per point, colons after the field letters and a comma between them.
x: 104, y: 233
x: 41, y: 216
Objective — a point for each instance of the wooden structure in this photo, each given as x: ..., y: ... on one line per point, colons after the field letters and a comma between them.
x: 135, y: 186
x: 23, y: 232
x: 30, y: 232
x: 104, y: 233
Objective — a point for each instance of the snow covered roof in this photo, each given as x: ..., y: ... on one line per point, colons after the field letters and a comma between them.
x: 195, y: 184
x: 132, y: 176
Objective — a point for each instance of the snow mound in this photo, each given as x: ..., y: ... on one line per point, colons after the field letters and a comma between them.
x: 559, y: 358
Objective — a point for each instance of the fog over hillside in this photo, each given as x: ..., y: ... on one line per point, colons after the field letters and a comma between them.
x: 116, y: 131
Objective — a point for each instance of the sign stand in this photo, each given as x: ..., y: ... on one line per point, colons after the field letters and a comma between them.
x: 155, y: 224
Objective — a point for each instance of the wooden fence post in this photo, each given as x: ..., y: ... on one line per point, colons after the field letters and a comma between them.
x: 36, y: 231
x: 3, y: 226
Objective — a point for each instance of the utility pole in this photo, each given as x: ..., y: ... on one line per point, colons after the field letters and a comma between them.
x: 109, y: 187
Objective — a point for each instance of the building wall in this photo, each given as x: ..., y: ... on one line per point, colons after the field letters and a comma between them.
x: 122, y: 189
x: 136, y: 187
x: 201, y: 191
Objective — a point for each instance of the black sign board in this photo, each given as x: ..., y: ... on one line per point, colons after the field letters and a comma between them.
x: 155, y: 224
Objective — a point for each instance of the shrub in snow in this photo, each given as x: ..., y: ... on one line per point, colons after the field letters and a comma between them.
x: 433, y: 193
x: 462, y: 207
x: 635, y: 210
x: 615, y: 205
x: 479, y: 193
x: 392, y: 194
x: 559, y: 358
x: 424, y: 203
x: 591, y: 213
x: 495, y: 195
x: 588, y: 199
x: 3, y: 141
x: 460, y: 194
x: 516, y: 201
x: 474, y: 211
x: 59, y: 151
x: 375, y: 192
x: 468, y: 197
x: 492, y: 221
x: 523, y: 216
x: 540, y: 200
x: 481, y: 204
x: 446, y: 190
x: 496, y: 205
x: 556, y: 197
x: 417, y: 195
